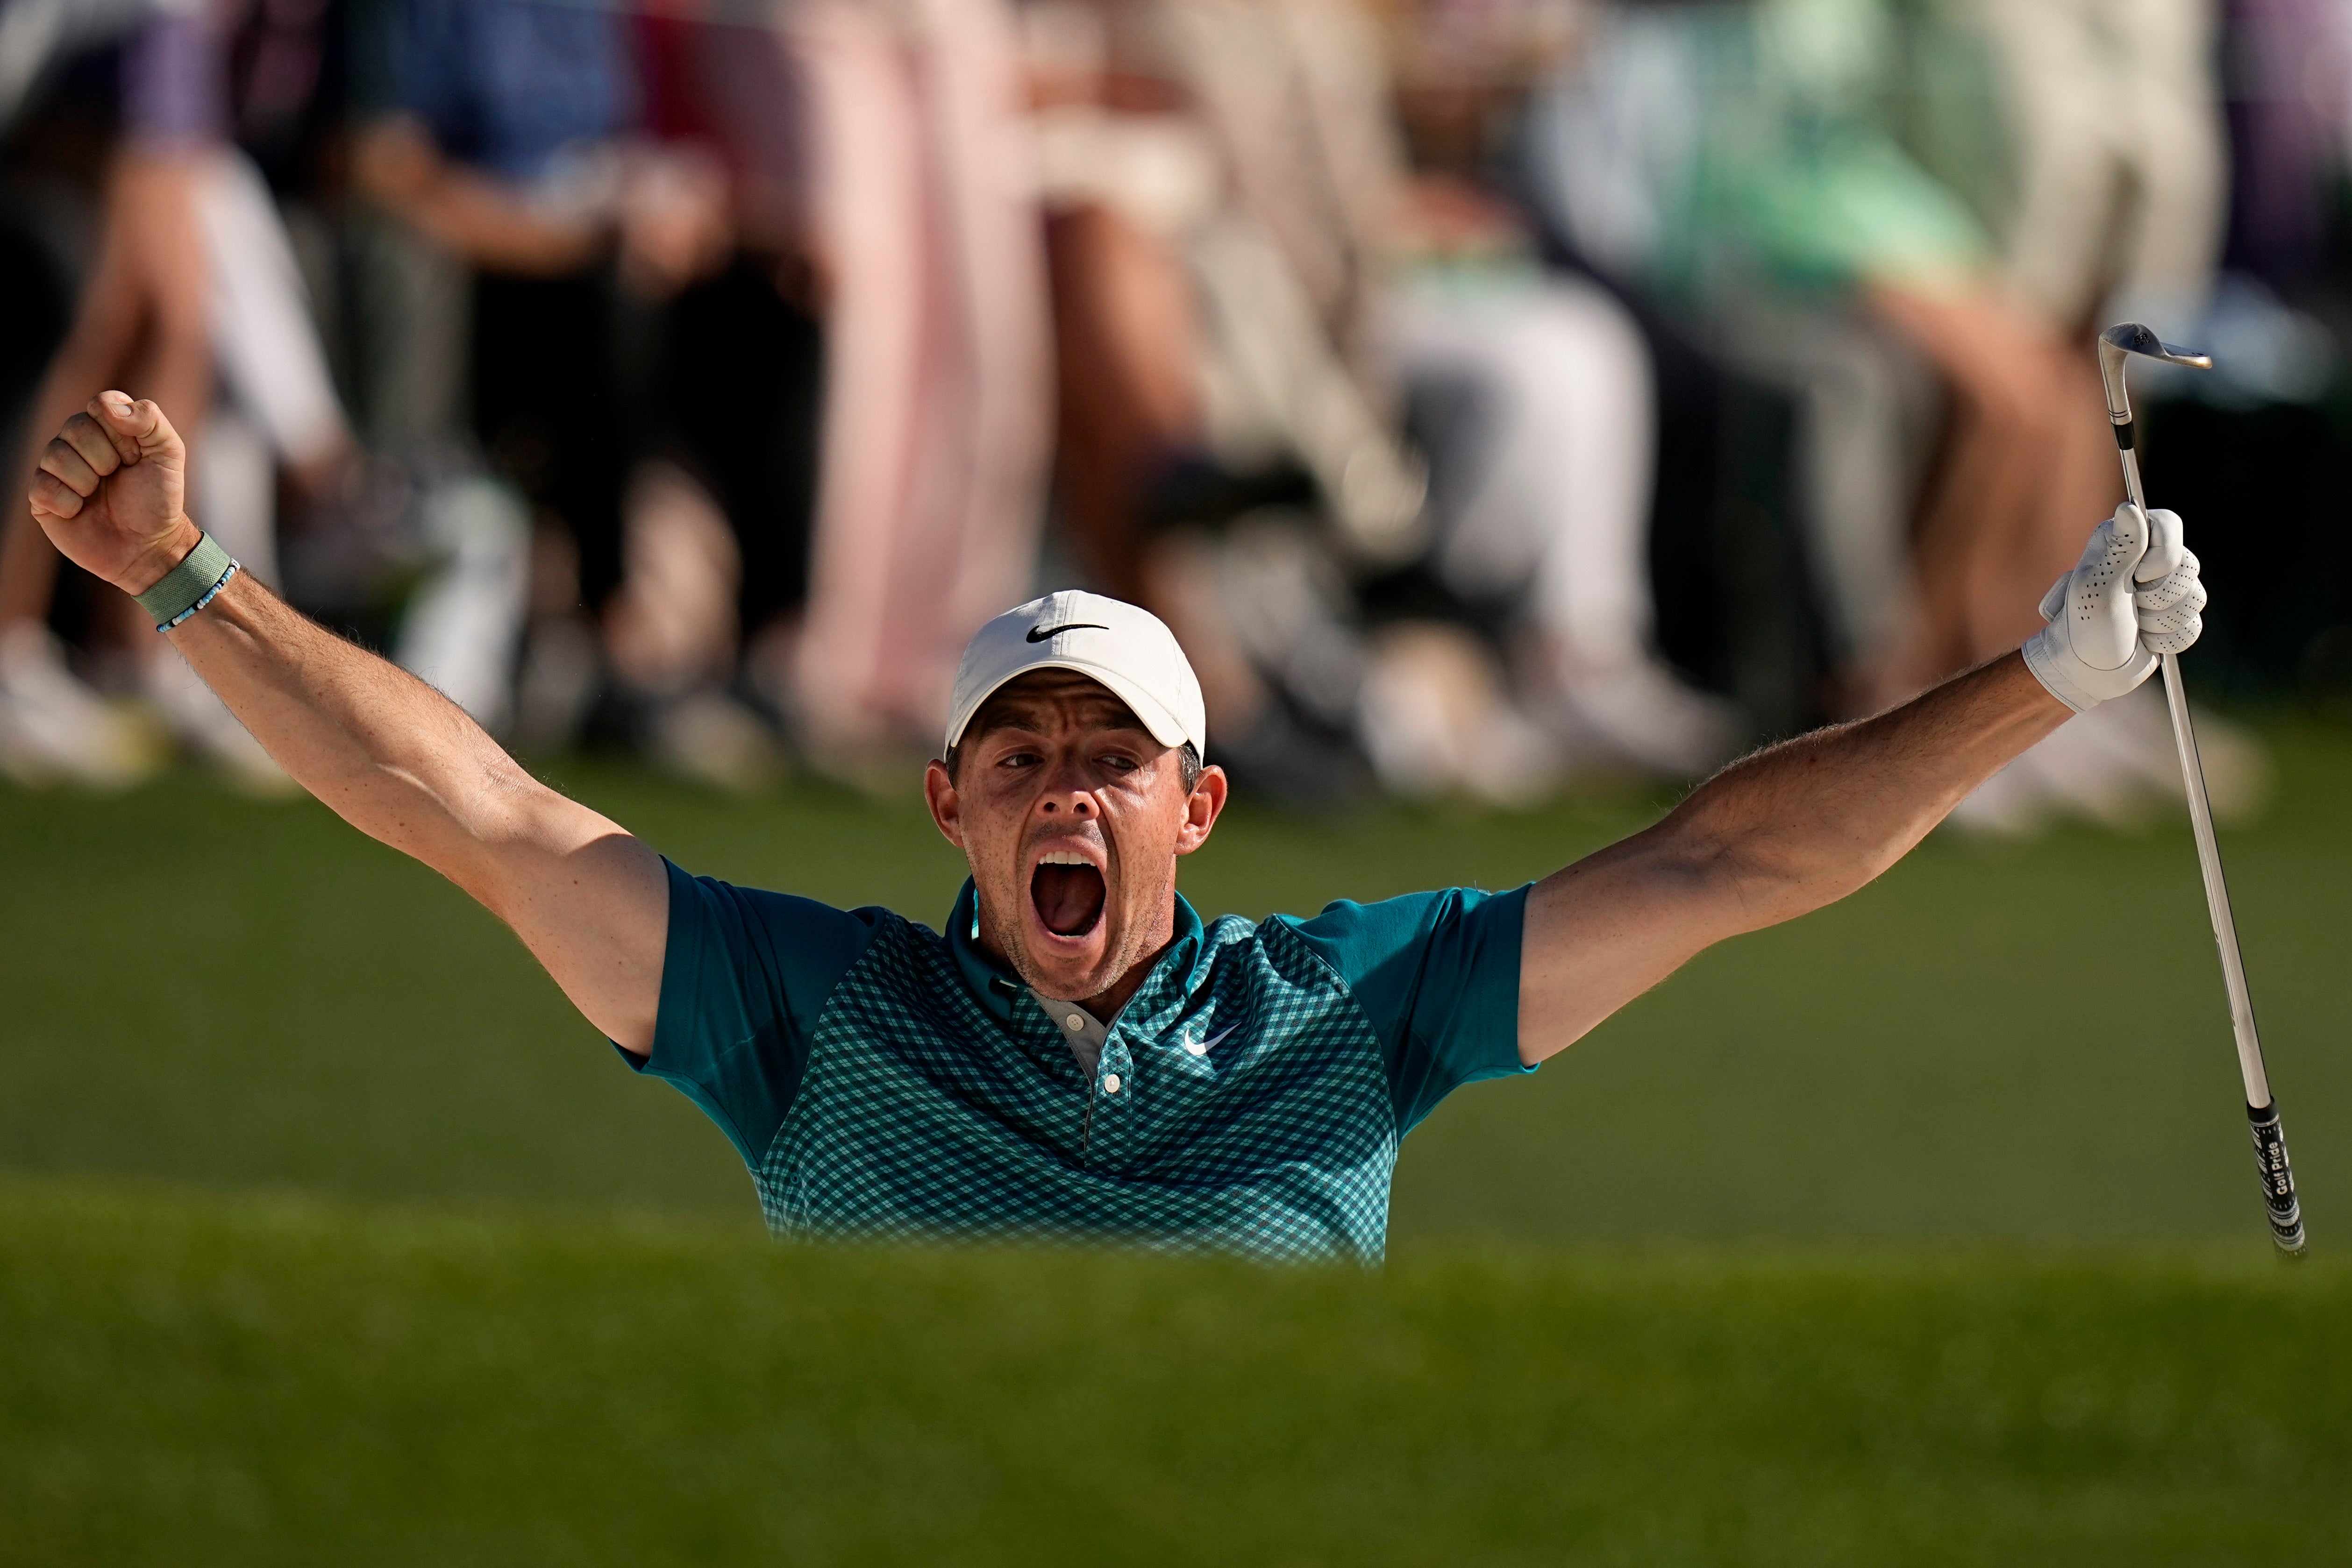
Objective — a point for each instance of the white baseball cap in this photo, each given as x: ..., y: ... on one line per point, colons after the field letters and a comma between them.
x: 1130, y: 651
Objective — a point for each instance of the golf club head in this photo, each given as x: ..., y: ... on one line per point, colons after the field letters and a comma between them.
x: 2128, y: 338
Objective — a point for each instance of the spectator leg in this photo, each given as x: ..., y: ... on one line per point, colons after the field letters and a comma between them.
x: 2022, y: 475
x: 1128, y: 350
x: 141, y: 324
x: 870, y: 233
x: 936, y: 423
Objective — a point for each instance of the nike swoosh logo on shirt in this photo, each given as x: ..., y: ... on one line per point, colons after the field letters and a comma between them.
x: 1039, y: 633
x: 1221, y: 1034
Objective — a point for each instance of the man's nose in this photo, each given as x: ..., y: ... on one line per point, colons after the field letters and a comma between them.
x: 1067, y: 793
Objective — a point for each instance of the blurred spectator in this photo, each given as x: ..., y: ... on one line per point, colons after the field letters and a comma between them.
x: 2115, y: 126
x: 1534, y: 393
x: 922, y: 225
x: 1419, y: 360
x: 638, y: 196
x: 2117, y: 213
x: 1746, y: 159
x: 2292, y: 64
x: 194, y: 299
x: 518, y: 139
x: 1246, y: 274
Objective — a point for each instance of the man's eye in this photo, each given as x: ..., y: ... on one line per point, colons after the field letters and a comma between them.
x: 1019, y: 759
x: 1118, y: 764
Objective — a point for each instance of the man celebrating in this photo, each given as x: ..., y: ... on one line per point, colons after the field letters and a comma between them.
x: 1079, y: 1056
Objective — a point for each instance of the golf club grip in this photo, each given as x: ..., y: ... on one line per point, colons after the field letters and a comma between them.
x: 2278, y: 1179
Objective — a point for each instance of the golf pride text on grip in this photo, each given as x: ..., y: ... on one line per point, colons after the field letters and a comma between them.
x: 2278, y: 1179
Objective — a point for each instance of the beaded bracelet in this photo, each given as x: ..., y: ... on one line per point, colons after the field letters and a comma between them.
x: 220, y: 583
x: 189, y: 586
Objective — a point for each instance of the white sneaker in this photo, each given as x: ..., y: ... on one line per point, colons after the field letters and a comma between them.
x: 2097, y: 770
x: 713, y: 740
x: 2236, y: 763
x: 1638, y: 711
x: 54, y: 730
x: 2116, y: 766
x: 1434, y: 720
x: 2075, y: 771
x: 2014, y: 803
x: 2238, y: 773
x: 204, y: 725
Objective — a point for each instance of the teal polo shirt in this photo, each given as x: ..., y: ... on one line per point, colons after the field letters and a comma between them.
x: 881, y: 1080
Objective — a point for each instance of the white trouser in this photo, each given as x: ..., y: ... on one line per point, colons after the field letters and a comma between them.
x: 264, y: 340
x: 1547, y: 494
x: 464, y: 625
x: 2122, y: 169
x: 277, y: 401
x: 1867, y: 409
x: 278, y: 405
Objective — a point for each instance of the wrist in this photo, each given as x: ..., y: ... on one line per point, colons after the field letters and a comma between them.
x: 189, y: 586
x: 2066, y: 676
x: 160, y: 559
x: 2047, y: 663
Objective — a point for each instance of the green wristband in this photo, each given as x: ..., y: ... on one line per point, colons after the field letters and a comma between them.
x: 188, y: 584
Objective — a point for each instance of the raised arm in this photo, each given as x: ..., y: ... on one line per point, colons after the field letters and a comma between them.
x: 1807, y: 822
x: 389, y: 754
x: 1770, y: 838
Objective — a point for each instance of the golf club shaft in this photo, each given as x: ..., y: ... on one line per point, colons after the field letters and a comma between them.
x: 2270, y: 1143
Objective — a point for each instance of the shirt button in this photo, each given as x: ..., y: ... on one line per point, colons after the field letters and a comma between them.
x: 1074, y: 1023
x: 1110, y: 1084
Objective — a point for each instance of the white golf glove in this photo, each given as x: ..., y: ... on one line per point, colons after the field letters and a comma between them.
x: 2133, y: 596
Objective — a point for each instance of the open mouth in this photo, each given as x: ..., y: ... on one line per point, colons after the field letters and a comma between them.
x: 1067, y: 893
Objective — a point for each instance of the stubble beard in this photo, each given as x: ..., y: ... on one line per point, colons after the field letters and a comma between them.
x: 1121, y: 950
x: 1010, y: 934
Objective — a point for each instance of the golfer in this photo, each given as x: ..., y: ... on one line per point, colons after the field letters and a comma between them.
x: 1079, y: 1056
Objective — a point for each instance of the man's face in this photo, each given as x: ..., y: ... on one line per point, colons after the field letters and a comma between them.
x: 1072, y: 816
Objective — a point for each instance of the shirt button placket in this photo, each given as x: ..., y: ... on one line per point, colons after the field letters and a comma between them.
x: 1114, y: 1094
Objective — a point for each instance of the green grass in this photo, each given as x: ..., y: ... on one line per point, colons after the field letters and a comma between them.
x: 1921, y: 1231
x: 267, y: 1382
x: 2020, y: 1044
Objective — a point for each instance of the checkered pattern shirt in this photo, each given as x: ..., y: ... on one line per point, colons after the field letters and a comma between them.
x: 1245, y: 1100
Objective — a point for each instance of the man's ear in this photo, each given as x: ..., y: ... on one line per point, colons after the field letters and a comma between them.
x: 947, y: 805
x: 1202, y: 810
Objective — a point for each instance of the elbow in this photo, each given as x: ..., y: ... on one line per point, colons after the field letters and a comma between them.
x: 465, y: 822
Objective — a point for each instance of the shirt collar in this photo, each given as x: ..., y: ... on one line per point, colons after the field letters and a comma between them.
x: 996, y: 988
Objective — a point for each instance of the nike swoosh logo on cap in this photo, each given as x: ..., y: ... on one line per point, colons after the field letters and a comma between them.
x: 1039, y: 633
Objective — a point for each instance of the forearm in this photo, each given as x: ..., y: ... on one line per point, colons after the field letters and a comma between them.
x: 487, y: 224
x: 1803, y: 823
x: 489, y: 228
x: 1782, y: 832
x: 386, y: 752
x: 403, y: 764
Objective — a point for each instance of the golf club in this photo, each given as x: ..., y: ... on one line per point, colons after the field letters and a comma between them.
x: 2116, y: 344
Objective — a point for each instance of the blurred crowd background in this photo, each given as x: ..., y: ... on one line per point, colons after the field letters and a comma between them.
x: 1490, y: 393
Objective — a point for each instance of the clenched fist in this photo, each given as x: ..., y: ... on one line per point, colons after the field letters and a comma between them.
x: 111, y: 491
